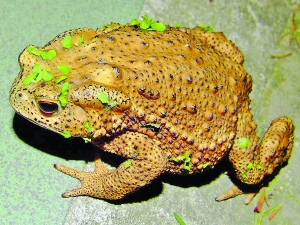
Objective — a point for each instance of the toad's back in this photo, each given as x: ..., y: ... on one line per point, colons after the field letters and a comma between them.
x: 179, y: 81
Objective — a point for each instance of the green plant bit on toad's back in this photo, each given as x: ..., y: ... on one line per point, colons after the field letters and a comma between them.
x: 148, y: 24
x: 66, y: 134
x: 186, y: 160
x: 64, y: 69
x: 61, y: 78
x: 87, y: 140
x: 244, y: 142
x: 103, y: 97
x: 206, y: 28
x: 127, y: 163
x: 88, y: 126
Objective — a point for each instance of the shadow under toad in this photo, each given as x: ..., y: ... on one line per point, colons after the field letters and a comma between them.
x: 76, y: 149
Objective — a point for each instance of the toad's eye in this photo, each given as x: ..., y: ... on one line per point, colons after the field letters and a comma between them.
x: 48, y: 108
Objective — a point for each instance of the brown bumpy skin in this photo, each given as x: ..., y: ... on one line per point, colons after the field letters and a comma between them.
x: 176, y: 101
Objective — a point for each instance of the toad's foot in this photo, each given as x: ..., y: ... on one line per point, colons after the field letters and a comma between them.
x: 145, y: 162
x: 234, y: 191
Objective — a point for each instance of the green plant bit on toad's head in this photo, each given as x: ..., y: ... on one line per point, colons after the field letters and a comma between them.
x: 67, y: 42
x: 37, y: 74
x: 47, y: 55
x: 64, y: 92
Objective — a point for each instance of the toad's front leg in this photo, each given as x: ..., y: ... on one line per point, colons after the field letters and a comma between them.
x: 145, y: 162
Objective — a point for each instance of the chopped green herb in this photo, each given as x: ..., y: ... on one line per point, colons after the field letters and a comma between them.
x: 134, y: 22
x: 244, y: 142
x: 205, y: 165
x: 64, y: 69
x: 61, y: 78
x: 67, y: 42
x: 127, y: 163
x: 80, y: 41
x: 110, y: 105
x: 63, y: 101
x: 64, y: 92
x: 186, y: 159
x: 179, y: 220
x: 135, y: 154
x: 103, y: 97
x: 206, y: 28
x: 47, y: 55
x: 87, y: 140
x: 250, y: 166
x: 244, y: 175
x: 66, y: 134
x: 177, y: 25
x: 259, y: 167
x: 38, y: 74
x: 88, y: 126
x: 148, y: 24
x: 65, y: 88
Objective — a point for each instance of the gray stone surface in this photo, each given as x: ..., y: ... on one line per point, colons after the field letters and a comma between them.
x: 256, y: 26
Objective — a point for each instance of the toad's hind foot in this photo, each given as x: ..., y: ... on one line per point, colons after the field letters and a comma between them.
x: 235, y: 191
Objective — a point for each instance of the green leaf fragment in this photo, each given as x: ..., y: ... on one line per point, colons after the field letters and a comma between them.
x: 134, y: 22
x: 64, y: 92
x: 177, y: 25
x: 259, y: 167
x: 127, y: 163
x: 46, y: 76
x: 65, y: 88
x: 110, y: 105
x: 158, y: 26
x: 244, y: 175
x: 103, y: 97
x: 87, y: 140
x: 80, y: 41
x: 205, y: 165
x: 148, y: 24
x: 61, y: 78
x: 135, y: 154
x: 250, y: 166
x: 67, y: 42
x: 47, y: 55
x: 206, y: 28
x: 244, y: 142
x: 38, y: 74
x: 88, y: 126
x: 66, y: 134
x: 64, y: 69
x: 179, y: 220
x: 63, y: 101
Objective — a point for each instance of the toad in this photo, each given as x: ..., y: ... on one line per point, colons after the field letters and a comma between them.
x: 174, y: 100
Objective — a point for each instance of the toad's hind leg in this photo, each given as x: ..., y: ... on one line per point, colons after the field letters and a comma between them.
x: 253, y: 162
x: 145, y: 162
